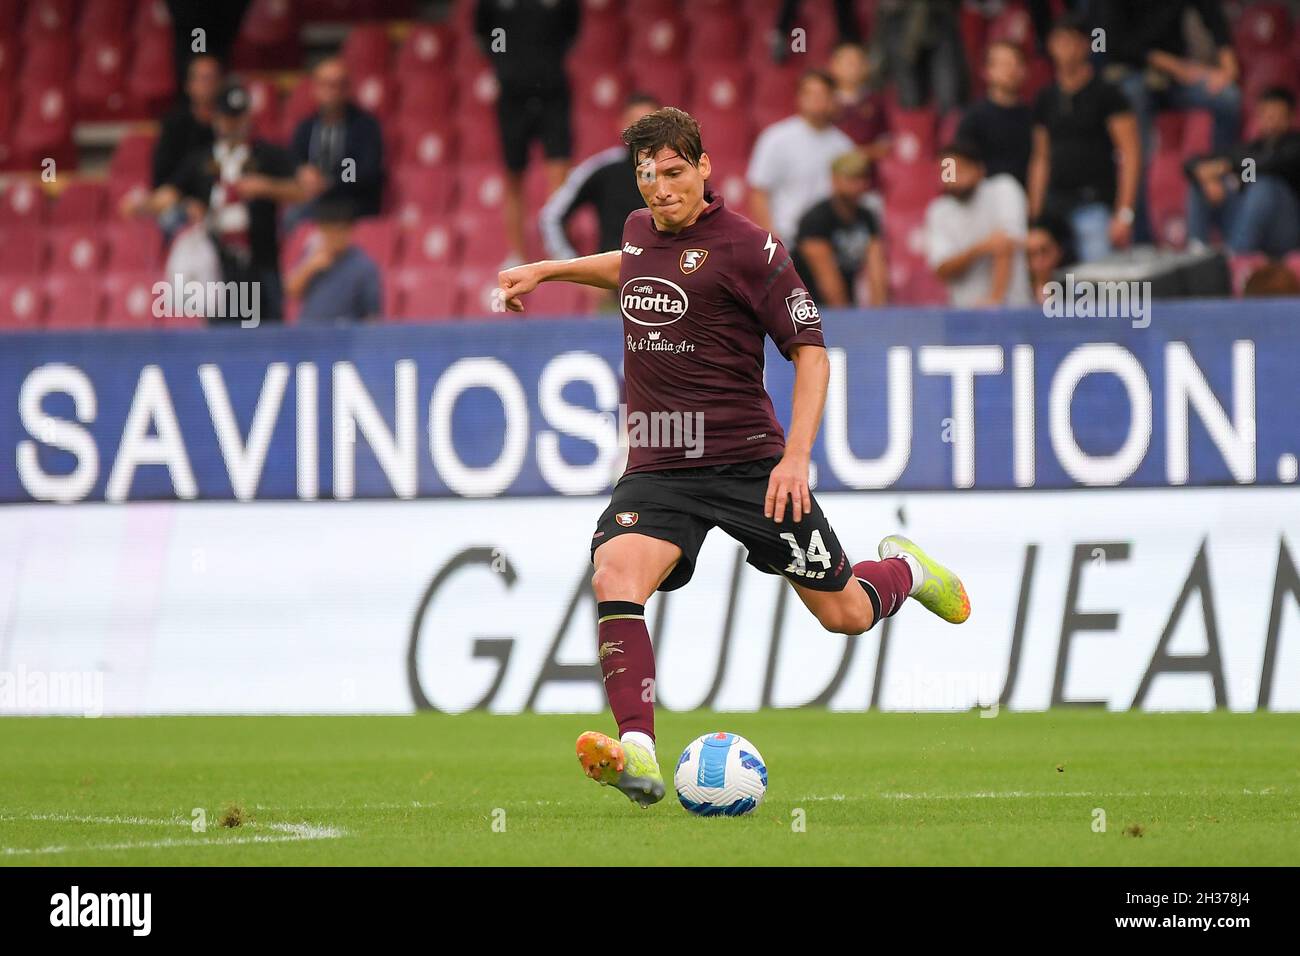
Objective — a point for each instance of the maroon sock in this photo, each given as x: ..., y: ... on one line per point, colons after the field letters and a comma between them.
x: 627, y: 662
x: 886, y: 583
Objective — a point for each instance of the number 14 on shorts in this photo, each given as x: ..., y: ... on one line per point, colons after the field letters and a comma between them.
x: 799, y: 559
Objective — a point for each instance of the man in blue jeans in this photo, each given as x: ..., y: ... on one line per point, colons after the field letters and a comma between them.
x: 1251, y: 193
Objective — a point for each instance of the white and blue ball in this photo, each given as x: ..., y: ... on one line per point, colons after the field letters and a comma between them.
x: 721, y: 774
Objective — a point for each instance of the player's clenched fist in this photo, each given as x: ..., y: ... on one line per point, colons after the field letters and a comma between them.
x: 513, y: 283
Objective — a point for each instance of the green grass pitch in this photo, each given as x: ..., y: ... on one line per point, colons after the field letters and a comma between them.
x: 891, y: 789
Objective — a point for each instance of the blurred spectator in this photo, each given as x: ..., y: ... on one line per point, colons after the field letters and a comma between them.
x: 1000, y: 126
x: 790, y: 168
x: 1081, y: 125
x: 861, y: 111
x: 189, y: 126
x: 1148, y: 58
x: 336, y: 280
x: 1048, y: 249
x: 917, y: 46
x: 975, y: 233
x: 1262, y: 215
x: 846, y: 23
x: 527, y: 40
x: 234, y: 187
x: 838, y: 238
x: 339, y: 149
x: 1272, y: 279
x: 606, y: 182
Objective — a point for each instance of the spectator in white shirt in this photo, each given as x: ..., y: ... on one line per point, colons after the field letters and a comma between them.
x: 790, y: 169
x: 975, y: 233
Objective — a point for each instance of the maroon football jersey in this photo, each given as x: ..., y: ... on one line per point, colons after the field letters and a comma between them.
x: 696, y: 305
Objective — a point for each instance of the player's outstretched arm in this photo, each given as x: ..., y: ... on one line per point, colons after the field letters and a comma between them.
x: 600, y: 270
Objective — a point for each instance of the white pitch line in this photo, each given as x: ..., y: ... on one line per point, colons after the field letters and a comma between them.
x: 284, y: 833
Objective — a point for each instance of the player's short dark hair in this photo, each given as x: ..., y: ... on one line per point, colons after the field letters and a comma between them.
x: 665, y: 128
x: 1072, y: 23
x: 638, y: 97
x: 1015, y: 48
x: 820, y: 75
x: 1279, y: 94
x: 963, y: 149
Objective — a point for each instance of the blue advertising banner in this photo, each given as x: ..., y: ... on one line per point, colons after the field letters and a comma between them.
x: 1204, y: 393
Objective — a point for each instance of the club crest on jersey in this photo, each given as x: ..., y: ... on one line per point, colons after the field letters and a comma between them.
x: 626, y: 518
x: 692, y: 259
x: 803, y: 310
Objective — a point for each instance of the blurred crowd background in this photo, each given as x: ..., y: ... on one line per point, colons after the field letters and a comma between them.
x: 384, y: 159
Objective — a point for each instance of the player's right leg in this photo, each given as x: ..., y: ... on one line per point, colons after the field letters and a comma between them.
x: 629, y: 568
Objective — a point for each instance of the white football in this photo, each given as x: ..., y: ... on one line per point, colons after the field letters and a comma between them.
x: 721, y: 774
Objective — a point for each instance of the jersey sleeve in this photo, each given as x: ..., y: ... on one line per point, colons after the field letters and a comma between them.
x: 769, y: 287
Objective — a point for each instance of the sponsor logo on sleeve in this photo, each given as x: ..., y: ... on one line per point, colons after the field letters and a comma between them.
x: 803, y: 310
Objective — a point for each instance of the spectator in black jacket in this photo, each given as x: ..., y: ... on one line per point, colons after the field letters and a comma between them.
x: 340, y: 148
x: 1251, y: 193
x: 527, y: 40
x: 606, y: 182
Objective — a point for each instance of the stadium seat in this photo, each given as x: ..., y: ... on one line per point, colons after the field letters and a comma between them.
x: 728, y: 135
x: 295, y: 246
x: 555, y: 298
x: 377, y: 94
x: 477, y: 141
x: 73, y: 302
x: 481, y: 188
x: 719, y: 87
x: 22, y: 201
x: 1012, y: 25
x: 663, y: 77
x: 1269, y: 68
x: 151, y: 80
x: 263, y: 108
x: 1167, y: 199
x: 482, y: 240
x: 477, y: 94
x: 83, y: 201
x: 717, y: 35
x: 10, y: 54
x: 597, y: 88
x: 48, y: 59
x: 602, y: 39
x: 43, y: 128
x: 422, y: 145
x: 367, y: 50
x: 417, y: 194
x: 133, y: 246
x: 49, y: 17
x: 428, y: 47
x: 104, y: 18
x: 268, y: 37
x: 910, y: 280
x: 1262, y: 28
x: 129, y: 298
x: 1240, y: 267
x: 734, y: 188
x: 298, y: 105
x: 133, y: 158
x: 99, y: 83
x: 656, y: 37
x: 478, y: 288
x: 774, y: 94
x: 914, y: 133
x: 906, y: 185
x: 422, y: 294
x: 429, y: 243
x: 22, y: 303
x: 76, y: 249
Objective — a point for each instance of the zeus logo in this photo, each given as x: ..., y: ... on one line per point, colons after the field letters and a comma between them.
x: 770, y: 248
x: 803, y: 310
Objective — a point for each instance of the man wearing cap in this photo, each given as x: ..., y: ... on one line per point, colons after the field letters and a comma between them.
x: 838, y: 237
x: 234, y: 187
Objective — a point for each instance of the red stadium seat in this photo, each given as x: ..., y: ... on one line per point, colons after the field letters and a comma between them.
x: 425, y: 146
x: 73, y: 302
x: 481, y: 188
x: 477, y: 142
x: 425, y: 96
x: 1262, y: 28
x: 663, y: 77
x: 129, y: 298
x: 104, y: 18
x: 1268, y: 68
x: 367, y: 50
x: 300, y: 103
x: 602, y: 39
x: 734, y: 188
x: 429, y: 243
x: 133, y: 246
x: 150, y: 80
x: 906, y: 185
x: 1240, y: 267
x: 717, y: 35
x: 728, y: 136
x: 263, y: 108
x: 377, y: 94
x: 48, y: 59
x: 133, y: 158
x: 22, y: 201
x: 43, y: 128
x: 268, y: 37
x: 296, y: 245
x: 774, y: 94
x: 83, y: 201
x: 477, y: 94
x: 49, y: 17
x: 555, y: 298
x: 22, y: 303
x: 656, y: 37
x: 1167, y: 199
x: 720, y: 86
x: 76, y: 249
x: 423, y: 293
x: 1013, y: 25
x: 99, y: 83
x: 479, y: 297
x: 482, y: 240
x: 428, y: 47
x: 914, y: 134
x: 24, y: 250
x: 598, y: 89
x: 910, y: 280
x: 10, y: 54
x: 419, y: 194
